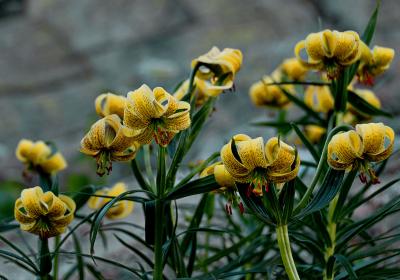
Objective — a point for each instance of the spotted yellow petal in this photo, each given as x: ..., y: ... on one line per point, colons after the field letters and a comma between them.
x: 378, y: 140
x: 344, y: 149
x: 32, y: 201
x: 280, y: 156
x: 223, y: 177
x: 109, y: 103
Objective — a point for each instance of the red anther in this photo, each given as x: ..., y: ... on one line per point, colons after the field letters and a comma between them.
x: 230, y: 209
x: 266, y: 187
x: 375, y: 181
x: 241, y: 208
x: 227, y: 208
x: 363, y: 178
x: 249, y: 190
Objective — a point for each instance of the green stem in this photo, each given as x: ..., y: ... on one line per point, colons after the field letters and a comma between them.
x: 158, y: 240
x: 44, y: 259
x: 55, y: 269
x: 304, y: 200
x: 159, y: 215
x: 282, y: 236
x: 147, y: 163
x: 331, y: 227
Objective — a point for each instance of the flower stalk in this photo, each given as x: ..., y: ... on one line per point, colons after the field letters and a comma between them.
x: 159, y: 216
x: 282, y: 236
x: 45, y: 263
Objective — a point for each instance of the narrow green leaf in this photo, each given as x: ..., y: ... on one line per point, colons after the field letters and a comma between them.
x: 79, y: 260
x: 255, y: 204
x: 363, y: 106
x: 95, y: 273
x: 347, y: 265
x: 198, y: 186
x: 306, y: 143
x: 328, y: 190
x: 303, y: 106
x: 194, y: 223
x: 344, y: 191
x: 370, y: 28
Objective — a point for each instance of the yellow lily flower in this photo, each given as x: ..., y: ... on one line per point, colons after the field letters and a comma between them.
x: 319, y: 98
x: 293, y: 69
x: 330, y: 50
x: 44, y: 214
x: 368, y: 96
x: 374, y: 63
x: 314, y: 133
x: 39, y: 156
x: 108, y: 103
x: 155, y: 114
x: 249, y: 161
x: 271, y: 96
x: 202, y: 91
x: 378, y: 141
x: 120, y: 210
x: 372, y: 142
x: 107, y: 141
x: 222, y: 176
x: 218, y: 68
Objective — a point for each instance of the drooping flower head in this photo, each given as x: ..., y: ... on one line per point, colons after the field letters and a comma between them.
x: 108, y: 141
x: 40, y: 156
x: 44, y: 214
x: 119, y: 210
x: 218, y: 68
x: 372, y: 142
x: 263, y: 93
x: 108, y: 104
x: 250, y: 161
x: 319, y: 98
x: 293, y: 69
x: 155, y: 114
x: 374, y: 63
x: 330, y: 50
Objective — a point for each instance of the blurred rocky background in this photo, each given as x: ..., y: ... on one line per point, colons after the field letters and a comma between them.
x: 57, y: 56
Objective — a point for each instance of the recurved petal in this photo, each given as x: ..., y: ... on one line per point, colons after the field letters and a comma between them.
x: 145, y: 104
x: 21, y: 215
x: 39, y: 152
x: 252, y: 153
x: 109, y: 103
x: 180, y: 120
x: 231, y: 163
x: 32, y: 202
x: 223, y: 177
x: 120, y: 210
x: 94, y: 140
x: 280, y: 156
x: 343, y: 149
x: 378, y: 140
x: 382, y: 57
x: 132, y: 120
x: 56, y: 207
x: 314, y: 45
x: 122, y: 140
x: 54, y: 163
x: 23, y: 149
x: 126, y: 155
x: 283, y: 176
